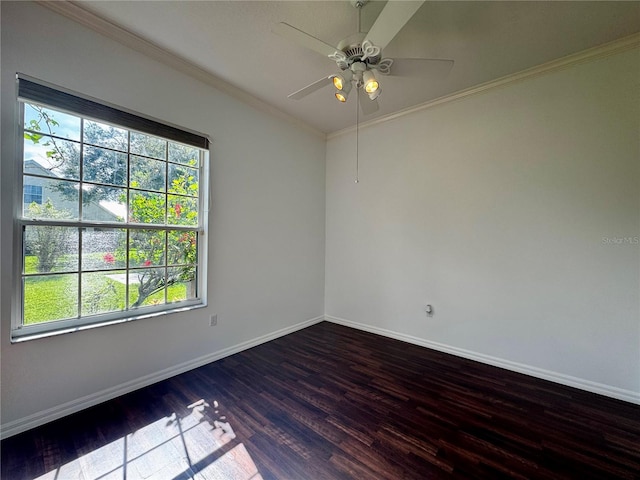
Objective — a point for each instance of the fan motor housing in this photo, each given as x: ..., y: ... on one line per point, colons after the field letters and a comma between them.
x: 352, y: 48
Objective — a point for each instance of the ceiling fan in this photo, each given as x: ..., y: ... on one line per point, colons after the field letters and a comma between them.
x: 360, y: 55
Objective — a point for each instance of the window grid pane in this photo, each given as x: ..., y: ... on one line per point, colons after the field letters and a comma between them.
x: 108, y: 174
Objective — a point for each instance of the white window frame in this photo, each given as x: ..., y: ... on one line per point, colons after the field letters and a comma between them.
x: 20, y: 332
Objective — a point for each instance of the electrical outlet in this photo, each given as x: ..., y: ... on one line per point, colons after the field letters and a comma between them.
x: 213, y: 320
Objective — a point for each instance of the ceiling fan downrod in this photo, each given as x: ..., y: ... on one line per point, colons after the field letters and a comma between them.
x: 358, y: 4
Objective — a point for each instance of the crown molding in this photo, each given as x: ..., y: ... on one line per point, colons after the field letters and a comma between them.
x: 591, y: 54
x: 121, y: 35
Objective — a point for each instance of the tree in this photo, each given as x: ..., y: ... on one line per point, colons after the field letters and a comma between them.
x: 147, y: 250
x: 48, y: 243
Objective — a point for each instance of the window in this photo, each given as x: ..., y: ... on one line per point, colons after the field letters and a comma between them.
x: 114, y: 219
x: 32, y: 194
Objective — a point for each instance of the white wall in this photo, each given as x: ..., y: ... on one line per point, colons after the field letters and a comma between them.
x: 494, y: 208
x: 266, y: 262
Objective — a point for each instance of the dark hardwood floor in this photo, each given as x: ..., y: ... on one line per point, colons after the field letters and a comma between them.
x: 329, y: 402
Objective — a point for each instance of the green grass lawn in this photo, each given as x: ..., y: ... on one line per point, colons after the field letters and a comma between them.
x: 55, y: 297
x: 31, y: 264
x: 50, y: 298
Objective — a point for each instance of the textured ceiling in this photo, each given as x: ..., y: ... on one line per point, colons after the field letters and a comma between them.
x: 233, y: 41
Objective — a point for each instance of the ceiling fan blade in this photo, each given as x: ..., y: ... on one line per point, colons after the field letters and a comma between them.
x: 317, y: 85
x: 366, y: 105
x: 393, y: 17
x: 304, y: 39
x: 421, y: 67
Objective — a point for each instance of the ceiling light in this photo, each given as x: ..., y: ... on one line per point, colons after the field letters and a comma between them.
x: 340, y: 81
x: 370, y: 82
x: 343, y: 94
x: 375, y: 94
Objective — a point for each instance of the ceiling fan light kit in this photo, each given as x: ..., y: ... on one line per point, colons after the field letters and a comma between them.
x: 375, y: 94
x: 343, y: 93
x: 356, y: 68
x: 370, y: 82
x: 342, y: 79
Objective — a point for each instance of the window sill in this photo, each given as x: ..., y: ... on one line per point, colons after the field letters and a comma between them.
x: 17, y: 336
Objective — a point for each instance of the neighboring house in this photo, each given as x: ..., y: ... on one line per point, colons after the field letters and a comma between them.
x: 39, y: 190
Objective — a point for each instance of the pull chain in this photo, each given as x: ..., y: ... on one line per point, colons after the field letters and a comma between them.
x: 357, y: 138
x: 359, y: 7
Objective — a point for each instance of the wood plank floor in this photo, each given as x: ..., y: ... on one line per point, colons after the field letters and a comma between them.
x: 329, y: 402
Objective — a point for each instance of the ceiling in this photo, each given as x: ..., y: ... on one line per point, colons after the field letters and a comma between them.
x: 233, y: 41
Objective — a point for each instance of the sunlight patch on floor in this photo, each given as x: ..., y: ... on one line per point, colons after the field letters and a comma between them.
x: 169, y: 448
x: 235, y: 464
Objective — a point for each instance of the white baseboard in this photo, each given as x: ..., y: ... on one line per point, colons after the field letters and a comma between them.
x: 589, y: 386
x: 45, y: 416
